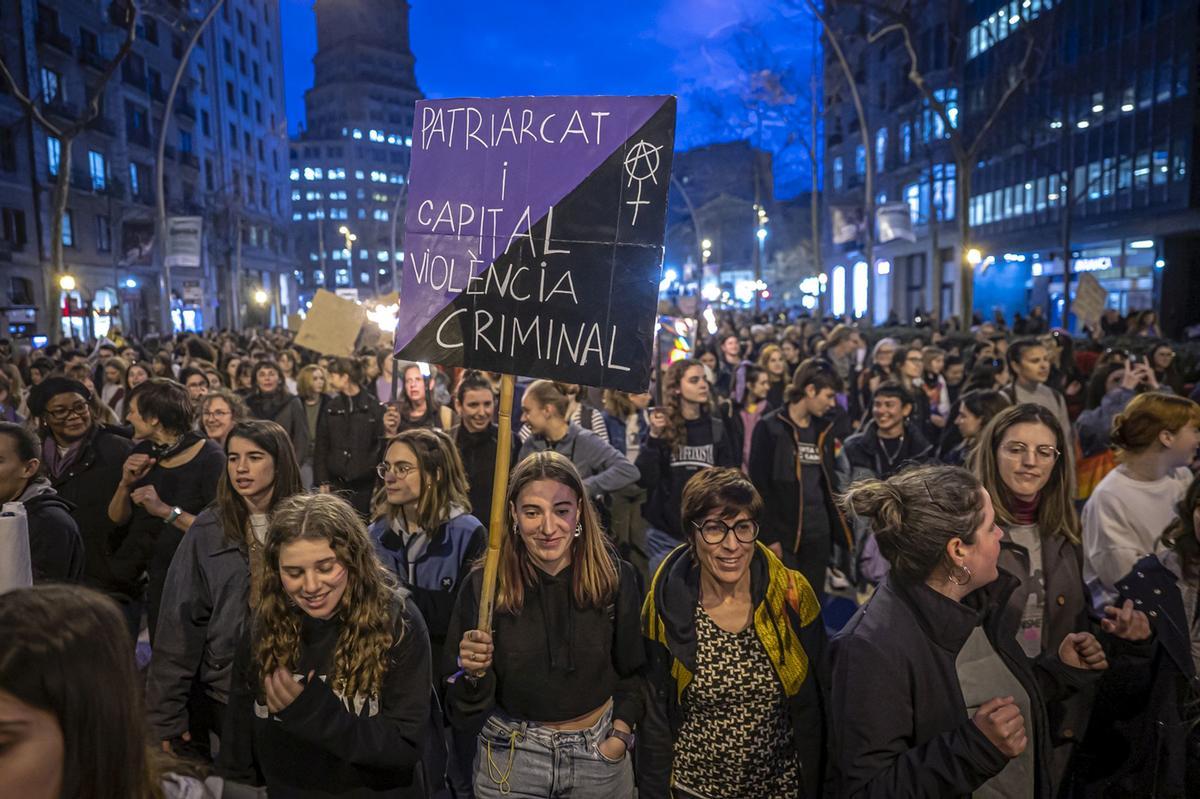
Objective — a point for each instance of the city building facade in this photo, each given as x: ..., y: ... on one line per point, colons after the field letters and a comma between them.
x: 112, y: 270
x: 349, y: 164
x: 1086, y: 169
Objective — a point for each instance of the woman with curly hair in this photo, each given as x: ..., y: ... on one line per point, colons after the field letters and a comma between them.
x: 555, y: 683
x: 685, y: 437
x: 331, y: 689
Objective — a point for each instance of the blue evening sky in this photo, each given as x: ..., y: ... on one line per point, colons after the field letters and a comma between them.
x: 534, y: 47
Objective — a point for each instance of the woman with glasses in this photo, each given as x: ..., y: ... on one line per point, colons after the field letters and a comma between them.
x: 1019, y: 462
x: 907, y: 370
x: 1161, y: 359
x: 555, y: 683
x: 215, y: 577
x: 82, y: 459
x: 425, y: 535
x: 220, y: 410
x: 424, y: 532
x: 737, y: 667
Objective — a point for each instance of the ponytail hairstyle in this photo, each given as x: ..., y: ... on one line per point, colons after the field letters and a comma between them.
x: 472, y: 380
x: 1136, y: 429
x: 552, y: 393
x: 916, y: 513
x: 365, y: 613
x: 1056, y: 505
x: 443, y: 479
x: 675, y: 433
x: 594, y: 576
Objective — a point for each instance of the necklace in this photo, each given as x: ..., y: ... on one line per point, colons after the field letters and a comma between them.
x: 891, y: 457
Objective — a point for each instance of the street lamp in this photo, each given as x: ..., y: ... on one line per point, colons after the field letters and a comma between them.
x: 260, y: 297
x: 974, y: 256
x: 66, y: 283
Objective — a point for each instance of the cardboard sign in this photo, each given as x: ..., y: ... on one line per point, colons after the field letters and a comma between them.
x: 332, y: 325
x: 534, y: 236
x: 1090, y: 298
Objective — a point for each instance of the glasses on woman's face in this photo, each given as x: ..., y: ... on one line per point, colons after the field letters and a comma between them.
x: 714, y: 531
x: 1017, y: 451
x: 216, y: 414
x: 63, y: 414
x: 401, y: 470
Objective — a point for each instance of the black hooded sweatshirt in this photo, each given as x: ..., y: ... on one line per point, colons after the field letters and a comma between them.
x: 666, y: 470
x: 55, y: 546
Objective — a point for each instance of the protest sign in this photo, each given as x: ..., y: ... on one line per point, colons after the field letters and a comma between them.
x: 534, y: 236
x: 1089, y: 301
x: 332, y: 325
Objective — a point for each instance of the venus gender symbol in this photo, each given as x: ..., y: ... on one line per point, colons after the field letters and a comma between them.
x: 641, y: 164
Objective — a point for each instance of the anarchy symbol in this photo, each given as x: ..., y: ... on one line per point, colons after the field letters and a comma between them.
x: 641, y: 164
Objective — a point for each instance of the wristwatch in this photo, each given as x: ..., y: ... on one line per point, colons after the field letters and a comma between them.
x: 628, y: 738
x: 175, y: 513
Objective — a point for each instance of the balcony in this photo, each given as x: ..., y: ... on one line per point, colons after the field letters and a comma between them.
x: 169, y: 152
x: 189, y: 159
x: 157, y: 93
x: 51, y: 36
x: 93, y: 60
x: 103, y: 124
x: 114, y: 189
x: 185, y: 109
x: 133, y: 74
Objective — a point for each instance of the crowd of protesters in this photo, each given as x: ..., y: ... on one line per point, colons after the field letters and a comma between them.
x: 812, y: 560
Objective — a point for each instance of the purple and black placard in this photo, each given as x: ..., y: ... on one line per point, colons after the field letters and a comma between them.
x: 534, y: 236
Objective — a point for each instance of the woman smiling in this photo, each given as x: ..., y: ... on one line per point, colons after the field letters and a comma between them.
x: 215, y: 576
x: 555, y: 686
x: 333, y: 684
x: 737, y: 659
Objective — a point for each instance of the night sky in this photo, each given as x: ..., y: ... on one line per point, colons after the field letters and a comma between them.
x: 486, y: 48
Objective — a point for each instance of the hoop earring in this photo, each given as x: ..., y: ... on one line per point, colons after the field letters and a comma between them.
x: 578, y: 529
x: 960, y: 575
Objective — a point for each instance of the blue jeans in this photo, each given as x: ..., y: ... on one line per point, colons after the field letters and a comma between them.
x: 659, y: 544
x: 522, y: 760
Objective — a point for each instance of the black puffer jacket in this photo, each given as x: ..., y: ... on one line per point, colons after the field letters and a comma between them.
x: 349, y: 435
x: 55, y: 546
x: 88, y: 485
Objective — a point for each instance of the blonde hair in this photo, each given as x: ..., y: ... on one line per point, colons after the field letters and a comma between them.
x: 304, y: 381
x: 443, y: 478
x: 366, y: 608
x: 551, y: 393
x: 594, y: 579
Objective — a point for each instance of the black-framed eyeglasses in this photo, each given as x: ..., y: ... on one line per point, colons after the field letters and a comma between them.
x: 714, y: 531
x: 63, y: 414
x: 399, y: 469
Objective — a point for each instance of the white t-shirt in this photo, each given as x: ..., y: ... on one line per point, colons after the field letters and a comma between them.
x: 1122, y: 522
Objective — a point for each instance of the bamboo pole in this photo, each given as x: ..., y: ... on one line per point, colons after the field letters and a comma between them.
x: 496, y: 528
